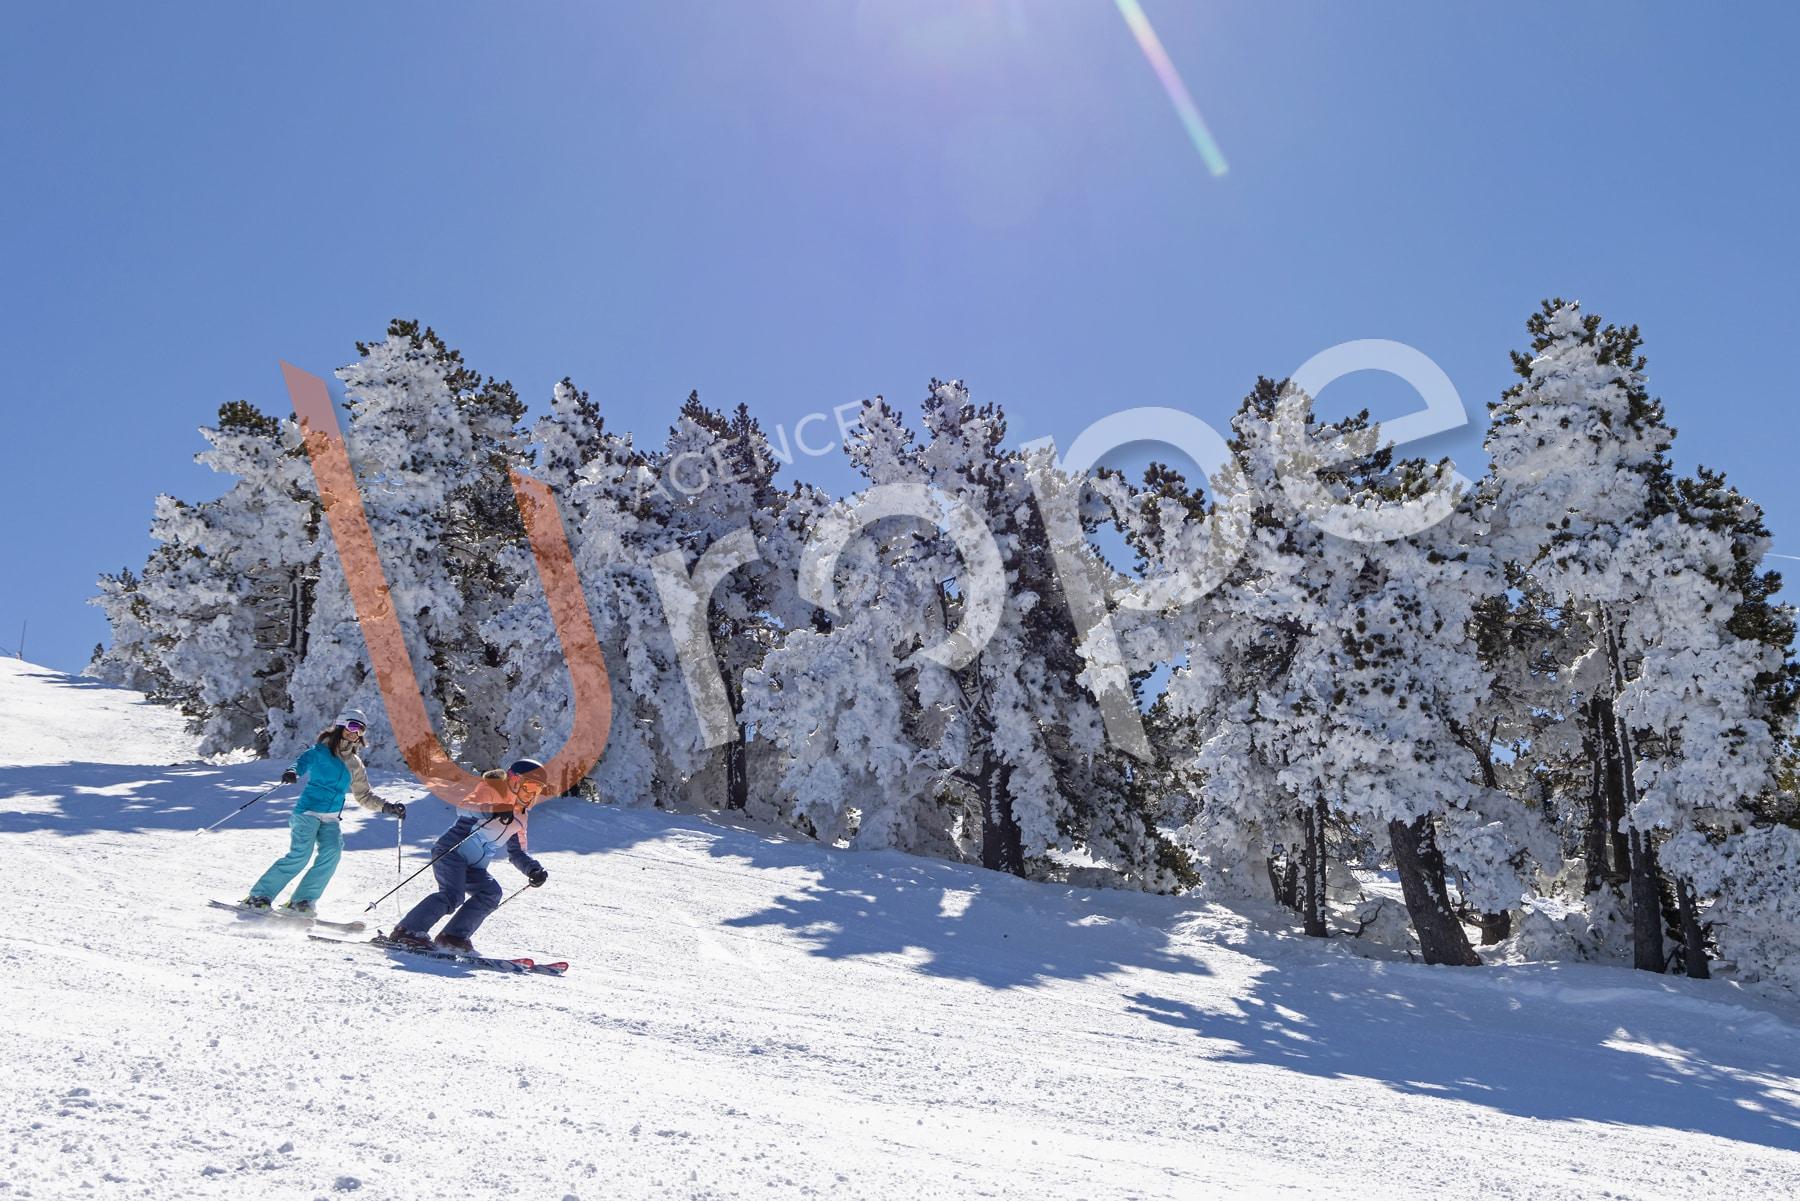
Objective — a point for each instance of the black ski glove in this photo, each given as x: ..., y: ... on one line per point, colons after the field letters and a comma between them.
x: 290, y: 776
x: 393, y: 808
x: 537, y: 877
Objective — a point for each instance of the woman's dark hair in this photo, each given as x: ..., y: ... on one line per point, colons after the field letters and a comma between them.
x: 334, y: 736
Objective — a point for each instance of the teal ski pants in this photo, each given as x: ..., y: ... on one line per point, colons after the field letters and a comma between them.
x: 307, y: 835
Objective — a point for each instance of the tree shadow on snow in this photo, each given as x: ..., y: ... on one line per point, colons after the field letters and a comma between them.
x: 947, y: 920
x: 57, y: 679
x: 998, y: 943
x: 88, y: 798
x: 1546, y: 1042
x: 958, y: 922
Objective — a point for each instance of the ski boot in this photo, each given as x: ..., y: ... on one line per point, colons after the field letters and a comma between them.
x: 454, y: 944
x: 302, y: 908
x: 256, y: 902
x: 406, y: 938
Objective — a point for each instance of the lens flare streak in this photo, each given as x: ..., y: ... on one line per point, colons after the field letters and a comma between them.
x: 1133, y: 12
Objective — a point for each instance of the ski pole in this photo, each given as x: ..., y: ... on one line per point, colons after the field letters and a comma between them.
x: 433, y: 863
x: 515, y: 892
x: 236, y: 811
x: 399, y: 855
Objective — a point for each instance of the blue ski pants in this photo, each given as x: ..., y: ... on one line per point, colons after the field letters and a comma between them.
x: 457, y: 879
x: 307, y: 836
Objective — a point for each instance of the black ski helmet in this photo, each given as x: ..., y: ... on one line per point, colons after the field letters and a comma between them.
x: 526, y: 767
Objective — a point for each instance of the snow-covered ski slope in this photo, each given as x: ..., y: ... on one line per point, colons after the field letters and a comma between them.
x: 754, y: 1017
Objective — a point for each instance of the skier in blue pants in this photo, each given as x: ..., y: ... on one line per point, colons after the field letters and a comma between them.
x: 494, y: 825
x: 332, y: 770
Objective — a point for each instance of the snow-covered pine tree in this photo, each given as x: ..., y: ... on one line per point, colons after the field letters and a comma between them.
x: 417, y: 462
x: 130, y: 660
x: 571, y: 437
x: 801, y: 631
x: 1528, y: 732
x: 1011, y: 783
x: 1182, y: 548
x: 264, y: 532
x: 1578, y: 463
x: 1036, y: 763
x: 606, y: 494
x: 215, y: 623
x: 999, y: 755
x: 1331, y: 683
x: 1392, y: 670
x: 862, y: 741
x: 485, y: 525
x: 201, y: 608
x: 1712, y: 694
x: 716, y: 484
x: 538, y: 711
x: 1236, y: 695
x: 1116, y: 813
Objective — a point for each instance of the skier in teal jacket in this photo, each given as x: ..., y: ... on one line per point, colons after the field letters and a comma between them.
x: 332, y: 770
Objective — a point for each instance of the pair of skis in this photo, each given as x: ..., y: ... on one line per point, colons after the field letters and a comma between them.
x: 288, y: 915
x: 518, y: 967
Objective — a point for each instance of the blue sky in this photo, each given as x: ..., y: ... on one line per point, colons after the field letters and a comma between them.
x: 799, y: 204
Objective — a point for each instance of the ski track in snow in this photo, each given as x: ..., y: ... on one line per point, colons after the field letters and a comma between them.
x: 748, y: 1016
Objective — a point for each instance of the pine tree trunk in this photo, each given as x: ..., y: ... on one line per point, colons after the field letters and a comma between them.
x: 304, y: 590
x: 737, y: 771
x: 1441, y: 936
x: 1312, y: 912
x: 1647, y: 952
x: 1692, y: 936
x: 1669, y: 905
x: 737, y: 754
x: 1494, y: 926
x: 1001, y: 848
x: 1283, y: 882
x: 1594, y: 837
x: 1617, y: 786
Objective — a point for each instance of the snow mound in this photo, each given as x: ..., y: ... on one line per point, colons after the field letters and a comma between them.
x: 752, y: 1016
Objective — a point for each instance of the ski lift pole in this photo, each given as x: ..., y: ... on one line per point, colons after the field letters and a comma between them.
x: 433, y: 863
x: 237, y: 811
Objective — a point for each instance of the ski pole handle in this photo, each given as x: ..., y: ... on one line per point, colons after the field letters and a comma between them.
x: 433, y: 863
x: 236, y: 811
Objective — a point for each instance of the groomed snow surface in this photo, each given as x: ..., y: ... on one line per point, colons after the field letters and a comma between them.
x: 749, y: 1016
